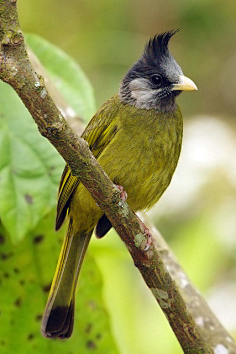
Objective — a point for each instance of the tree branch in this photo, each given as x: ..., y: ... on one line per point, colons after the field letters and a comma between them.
x: 210, y: 328
x: 16, y: 70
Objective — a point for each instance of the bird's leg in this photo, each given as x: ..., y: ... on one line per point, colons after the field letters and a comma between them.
x: 123, y: 193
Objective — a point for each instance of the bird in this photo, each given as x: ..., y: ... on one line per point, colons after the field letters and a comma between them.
x: 136, y: 136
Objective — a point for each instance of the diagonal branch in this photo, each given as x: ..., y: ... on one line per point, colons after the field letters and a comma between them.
x: 16, y: 70
x: 209, y: 326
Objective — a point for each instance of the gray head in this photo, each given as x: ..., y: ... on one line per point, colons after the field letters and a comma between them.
x: 155, y: 79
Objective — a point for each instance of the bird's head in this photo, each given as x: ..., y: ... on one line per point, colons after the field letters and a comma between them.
x: 155, y: 79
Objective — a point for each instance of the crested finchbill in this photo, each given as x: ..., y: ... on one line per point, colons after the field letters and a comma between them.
x: 136, y: 137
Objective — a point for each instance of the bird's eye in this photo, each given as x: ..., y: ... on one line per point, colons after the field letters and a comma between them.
x: 157, y: 80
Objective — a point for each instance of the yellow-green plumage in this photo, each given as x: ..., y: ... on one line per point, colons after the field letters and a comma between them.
x: 139, y: 149
x: 121, y: 154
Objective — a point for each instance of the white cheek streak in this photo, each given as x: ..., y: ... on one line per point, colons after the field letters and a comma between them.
x: 142, y: 93
x: 142, y: 96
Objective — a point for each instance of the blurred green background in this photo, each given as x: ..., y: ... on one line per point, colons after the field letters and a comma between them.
x: 197, y: 213
x: 106, y: 37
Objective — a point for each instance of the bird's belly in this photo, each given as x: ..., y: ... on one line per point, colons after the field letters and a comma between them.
x: 144, y: 171
x: 145, y: 189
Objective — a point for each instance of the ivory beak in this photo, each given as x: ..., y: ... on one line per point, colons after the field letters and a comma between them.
x: 184, y: 84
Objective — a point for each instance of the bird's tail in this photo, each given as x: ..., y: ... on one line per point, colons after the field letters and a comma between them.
x: 58, y: 318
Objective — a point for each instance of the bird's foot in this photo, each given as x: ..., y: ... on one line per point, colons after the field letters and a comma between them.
x: 147, y: 233
x: 123, y: 193
x: 149, y: 238
x: 149, y: 241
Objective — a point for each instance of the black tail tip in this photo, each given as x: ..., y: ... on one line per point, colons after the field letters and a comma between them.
x: 59, y: 323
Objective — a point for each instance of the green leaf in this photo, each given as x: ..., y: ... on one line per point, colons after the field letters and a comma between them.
x: 26, y: 271
x: 66, y: 74
x: 29, y: 168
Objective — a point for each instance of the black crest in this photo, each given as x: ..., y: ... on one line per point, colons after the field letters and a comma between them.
x: 156, y: 63
x: 158, y: 45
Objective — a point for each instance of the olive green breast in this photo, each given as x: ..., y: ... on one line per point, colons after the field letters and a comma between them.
x: 143, y: 154
x: 139, y: 149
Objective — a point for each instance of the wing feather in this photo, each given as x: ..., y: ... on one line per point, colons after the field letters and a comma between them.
x: 98, y: 134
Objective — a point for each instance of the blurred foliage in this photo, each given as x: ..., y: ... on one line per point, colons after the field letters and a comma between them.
x: 29, y: 168
x: 26, y: 272
x: 66, y: 75
x: 197, y: 213
x: 106, y: 37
